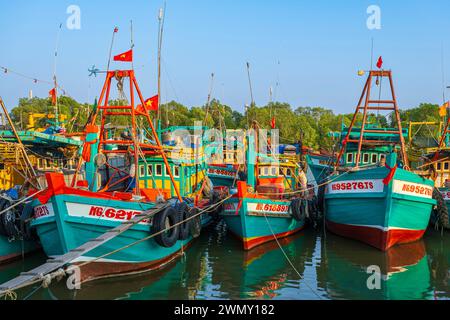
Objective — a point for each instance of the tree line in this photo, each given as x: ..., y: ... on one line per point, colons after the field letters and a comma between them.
x: 312, y: 125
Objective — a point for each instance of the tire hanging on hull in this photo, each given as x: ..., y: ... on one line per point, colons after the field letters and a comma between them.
x: 440, y: 211
x: 166, y: 220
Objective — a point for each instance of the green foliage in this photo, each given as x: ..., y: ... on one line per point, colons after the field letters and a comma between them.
x: 313, y: 125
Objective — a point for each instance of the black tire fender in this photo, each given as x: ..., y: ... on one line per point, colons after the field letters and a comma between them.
x: 196, y: 223
x: 184, y: 215
x: 163, y: 220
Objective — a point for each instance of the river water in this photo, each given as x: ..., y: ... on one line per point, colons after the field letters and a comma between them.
x: 312, y: 264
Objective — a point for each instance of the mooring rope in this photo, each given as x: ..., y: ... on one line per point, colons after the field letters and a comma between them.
x: 46, y: 279
x: 289, y: 260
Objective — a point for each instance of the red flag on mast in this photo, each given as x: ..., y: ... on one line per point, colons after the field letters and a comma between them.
x: 52, y: 94
x: 273, y: 123
x: 125, y: 57
x: 149, y: 105
x: 380, y: 62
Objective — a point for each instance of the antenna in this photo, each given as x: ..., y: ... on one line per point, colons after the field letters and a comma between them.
x: 443, y: 72
x: 250, y: 84
x: 54, y: 76
x: 110, y: 49
x: 132, y: 42
x: 208, y: 102
x: 161, y: 19
x: 371, y: 56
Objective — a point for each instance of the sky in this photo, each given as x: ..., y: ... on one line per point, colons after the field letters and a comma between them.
x: 311, y: 48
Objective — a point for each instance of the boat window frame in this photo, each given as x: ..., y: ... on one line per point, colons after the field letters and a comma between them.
x: 382, y: 156
x: 167, y: 171
x: 175, y: 169
x: 446, y: 166
x: 351, y: 154
x: 374, y: 158
x: 158, y: 167
x: 274, y: 171
x: 149, y: 172
x: 40, y: 164
x: 365, y: 154
x: 141, y: 170
x: 439, y: 166
x: 266, y: 171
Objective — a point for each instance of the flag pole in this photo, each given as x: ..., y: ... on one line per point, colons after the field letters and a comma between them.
x: 54, y: 76
x: 161, y: 18
x: 110, y: 49
x: 132, y: 42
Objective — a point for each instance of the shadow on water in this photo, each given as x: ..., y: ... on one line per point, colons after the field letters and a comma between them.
x: 310, y: 266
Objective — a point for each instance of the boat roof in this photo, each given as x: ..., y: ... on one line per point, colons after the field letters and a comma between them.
x: 383, y: 134
x: 34, y: 137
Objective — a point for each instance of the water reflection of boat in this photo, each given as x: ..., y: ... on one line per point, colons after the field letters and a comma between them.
x: 439, y: 261
x: 180, y: 280
x: 261, y: 272
x: 345, y: 271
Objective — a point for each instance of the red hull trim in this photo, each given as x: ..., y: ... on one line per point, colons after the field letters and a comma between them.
x: 101, y: 270
x: 254, y: 242
x: 377, y: 238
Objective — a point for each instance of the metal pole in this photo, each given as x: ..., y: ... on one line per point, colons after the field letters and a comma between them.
x: 250, y: 84
x: 19, y: 141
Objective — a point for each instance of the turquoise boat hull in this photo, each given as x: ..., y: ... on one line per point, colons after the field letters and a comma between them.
x: 360, y: 206
x: 319, y: 165
x: 222, y: 176
x: 66, y: 221
x: 15, y: 249
x: 256, y: 221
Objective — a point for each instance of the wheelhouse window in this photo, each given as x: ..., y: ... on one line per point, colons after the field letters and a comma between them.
x: 274, y: 171
x: 439, y: 166
x: 149, y: 170
x: 365, y: 158
x: 141, y: 171
x: 167, y: 171
x: 40, y: 163
x: 158, y: 168
x: 382, y: 157
x: 374, y: 158
x: 446, y: 166
x: 349, y: 157
x: 176, y: 171
x: 266, y: 171
x: 288, y: 172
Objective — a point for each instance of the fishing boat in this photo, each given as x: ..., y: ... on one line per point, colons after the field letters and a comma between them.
x: 25, y: 157
x: 384, y: 203
x: 320, y: 165
x: 167, y: 189
x: 434, y: 164
x: 271, y: 203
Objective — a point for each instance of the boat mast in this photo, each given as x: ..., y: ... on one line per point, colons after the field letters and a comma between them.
x: 374, y: 105
x: 161, y: 18
x: 54, y: 77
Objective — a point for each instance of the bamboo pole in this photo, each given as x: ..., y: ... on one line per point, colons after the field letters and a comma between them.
x: 27, y: 159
